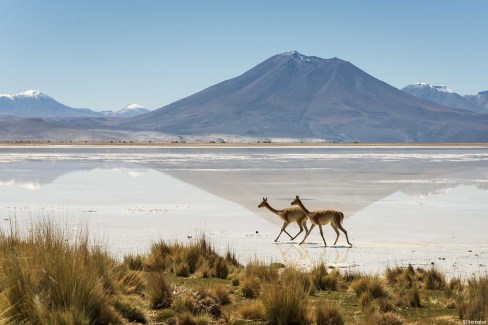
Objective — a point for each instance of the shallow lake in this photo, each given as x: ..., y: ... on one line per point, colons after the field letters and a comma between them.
x: 402, y: 204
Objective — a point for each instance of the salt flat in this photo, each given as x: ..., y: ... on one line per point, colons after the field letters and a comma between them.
x: 402, y: 205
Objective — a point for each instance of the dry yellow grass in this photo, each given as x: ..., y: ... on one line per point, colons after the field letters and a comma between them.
x: 49, y: 276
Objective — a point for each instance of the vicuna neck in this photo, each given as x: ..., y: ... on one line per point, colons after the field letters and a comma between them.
x: 300, y: 204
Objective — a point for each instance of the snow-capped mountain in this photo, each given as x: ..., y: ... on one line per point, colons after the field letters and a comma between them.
x: 291, y: 95
x: 480, y: 99
x: 33, y: 103
x: 445, y: 96
x: 128, y: 111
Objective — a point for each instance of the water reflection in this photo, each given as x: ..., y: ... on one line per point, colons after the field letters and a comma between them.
x: 344, y: 179
x: 408, y: 208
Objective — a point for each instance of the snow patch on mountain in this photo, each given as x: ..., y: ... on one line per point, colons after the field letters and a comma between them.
x: 447, y: 97
x: 26, y: 94
x: 424, y: 85
x: 133, y: 106
x: 128, y: 111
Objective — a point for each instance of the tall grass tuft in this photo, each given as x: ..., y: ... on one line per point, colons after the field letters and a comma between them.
x: 134, y: 262
x: 51, y: 276
x: 130, y: 309
x: 250, y: 286
x: 252, y: 310
x: 374, y: 285
x: 187, y: 259
x: 266, y: 273
x: 328, y: 314
x: 472, y: 303
x: 222, y: 294
x: 434, y: 280
x: 285, y: 302
x: 159, y: 290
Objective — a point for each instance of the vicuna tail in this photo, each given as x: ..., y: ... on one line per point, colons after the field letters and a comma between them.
x: 341, y: 218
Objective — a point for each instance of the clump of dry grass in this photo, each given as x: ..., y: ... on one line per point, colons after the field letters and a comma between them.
x: 372, y: 284
x: 400, y: 277
x: 130, y: 309
x: 158, y: 290
x: 292, y: 273
x: 285, y: 302
x: 184, y: 303
x: 351, y: 275
x: 182, y: 269
x: 187, y: 259
x: 222, y: 294
x: 133, y: 282
x: 266, y: 273
x: 252, y: 310
x: 434, y: 280
x: 250, y: 286
x: 317, y: 274
x: 405, y: 282
x: 48, y: 276
x: 472, y: 303
x: 207, y: 302
x: 188, y: 319
x: 453, y: 289
x: 378, y: 318
x: 221, y: 268
x: 134, y: 262
x: 324, y: 280
x: 328, y: 314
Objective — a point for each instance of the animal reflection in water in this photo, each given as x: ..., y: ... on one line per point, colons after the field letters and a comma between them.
x: 293, y: 253
x: 288, y: 216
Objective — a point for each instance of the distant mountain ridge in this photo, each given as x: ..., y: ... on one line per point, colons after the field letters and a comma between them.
x: 288, y: 96
x: 33, y: 103
x: 298, y: 96
x: 128, y: 111
x: 447, y: 97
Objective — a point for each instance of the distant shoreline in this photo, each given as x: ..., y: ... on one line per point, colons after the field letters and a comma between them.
x: 134, y: 144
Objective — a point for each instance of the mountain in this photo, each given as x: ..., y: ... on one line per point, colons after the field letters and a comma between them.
x: 291, y: 95
x: 128, y: 111
x: 444, y: 96
x: 33, y: 103
x: 480, y: 99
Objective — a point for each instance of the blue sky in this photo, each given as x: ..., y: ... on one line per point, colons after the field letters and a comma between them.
x: 107, y: 54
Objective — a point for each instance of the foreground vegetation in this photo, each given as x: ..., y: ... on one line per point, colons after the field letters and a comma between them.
x: 51, y: 276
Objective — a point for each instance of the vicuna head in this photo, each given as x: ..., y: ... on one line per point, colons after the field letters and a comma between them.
x: 296, y: 201
x: 263, y: 203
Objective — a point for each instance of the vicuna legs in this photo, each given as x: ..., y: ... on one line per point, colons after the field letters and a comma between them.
x: 308, y: 233
x: 285, y: 224
x: 301, y: 225
x: 337, y: 233
x: 322, y: 234
x: 345, y: 233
